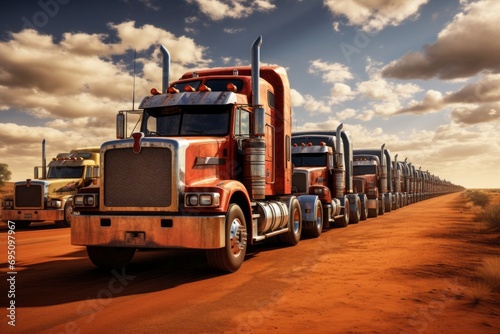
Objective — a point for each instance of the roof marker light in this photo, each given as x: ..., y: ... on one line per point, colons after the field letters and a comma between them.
x: 154, y: 91
x: 172, y: 90
x: 189, y: 88
x: 204, y: 88
x: 231, y: 87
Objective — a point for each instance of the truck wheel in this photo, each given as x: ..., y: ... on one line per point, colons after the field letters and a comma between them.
x: 314, y: 228
x: 68, y: 211
x: 344, y: 221
x: 355, y: 215
x: 364, y: 209
x: 381, y: 208
x: 110, y: 257
x: 292, y: 237
x: 388, y: 204
x: 373, y: 213
x: 231, y: 257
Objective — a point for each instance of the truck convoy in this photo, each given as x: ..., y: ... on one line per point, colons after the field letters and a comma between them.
x: 48, y: 197
x: 212, y: 168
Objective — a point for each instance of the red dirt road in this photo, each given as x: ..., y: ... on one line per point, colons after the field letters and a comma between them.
x: 408, y: 271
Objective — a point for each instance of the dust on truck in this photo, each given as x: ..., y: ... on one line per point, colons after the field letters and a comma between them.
x: 48, y: 198
x: 210, y: 169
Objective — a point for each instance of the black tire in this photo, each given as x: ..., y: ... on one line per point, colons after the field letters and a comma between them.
x: 355, y: 215
x: 381, y: 206
x: 388, y: 203
x: 373, y: 213
x: 68, y: 211
x: 314, y: 228
x: 231, y: 257
x: 292, y: 237
x: 110, y: 257
x: 364, y: 209
x: 345, y: 211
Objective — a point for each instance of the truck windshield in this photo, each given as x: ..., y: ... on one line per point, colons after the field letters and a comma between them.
x: 187, y: 121
x: 64, y: 172
x: 317, y: 160
x: 363, y: 170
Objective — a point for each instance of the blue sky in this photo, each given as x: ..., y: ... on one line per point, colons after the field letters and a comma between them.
x: 420, y: 76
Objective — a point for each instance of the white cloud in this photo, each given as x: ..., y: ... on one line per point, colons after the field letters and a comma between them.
x: 330, y: 72
x: 218, y: 10
x: 374, y: 15
x: 341, y: 93
x: 464, y: 48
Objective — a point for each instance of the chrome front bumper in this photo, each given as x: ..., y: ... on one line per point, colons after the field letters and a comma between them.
x: 195, y: 232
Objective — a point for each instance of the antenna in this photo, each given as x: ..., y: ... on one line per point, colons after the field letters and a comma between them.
x: 133, y: 88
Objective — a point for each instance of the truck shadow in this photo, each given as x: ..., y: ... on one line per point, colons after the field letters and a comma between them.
x: 72, y: 277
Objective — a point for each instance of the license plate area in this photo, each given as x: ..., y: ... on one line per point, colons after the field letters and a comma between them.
x: 135, y: 238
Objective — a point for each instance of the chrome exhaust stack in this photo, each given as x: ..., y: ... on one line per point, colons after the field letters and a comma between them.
x: 259, y: 113
x: 383, y: 170
x: 165, y: 69
x: 44, y: 160
x: 339, y: 170
x: 254, y: 169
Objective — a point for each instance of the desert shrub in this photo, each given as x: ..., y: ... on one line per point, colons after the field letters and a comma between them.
x: 491, y: 216
x: 478, y: 198
x: 489, y: 272
x: 478, y: 291
x: 488, y: 279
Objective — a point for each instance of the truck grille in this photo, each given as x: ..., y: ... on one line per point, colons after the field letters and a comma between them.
x: 138, y: 179
x: 299, y: 182
x: 29, y: 197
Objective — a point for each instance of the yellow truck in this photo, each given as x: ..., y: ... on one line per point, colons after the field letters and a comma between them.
x: 48, y: 197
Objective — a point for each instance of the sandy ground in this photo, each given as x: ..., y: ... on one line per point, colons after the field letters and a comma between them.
x: 409, y: 271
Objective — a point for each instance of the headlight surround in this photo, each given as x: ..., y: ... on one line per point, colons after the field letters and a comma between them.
x: 202, y: 200
x: 85, y: 200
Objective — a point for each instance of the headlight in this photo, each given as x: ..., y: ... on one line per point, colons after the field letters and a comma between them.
x: 85, y: 200
x: 7, y: 204
x: 192, y: 200
x: 203, y: 199
x: 318, y: 191
x: 78, y: 200
x: 54, y: 204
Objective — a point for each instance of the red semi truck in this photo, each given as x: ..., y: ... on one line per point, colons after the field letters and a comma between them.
x: 210, y: 168
x: 323, y: 165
